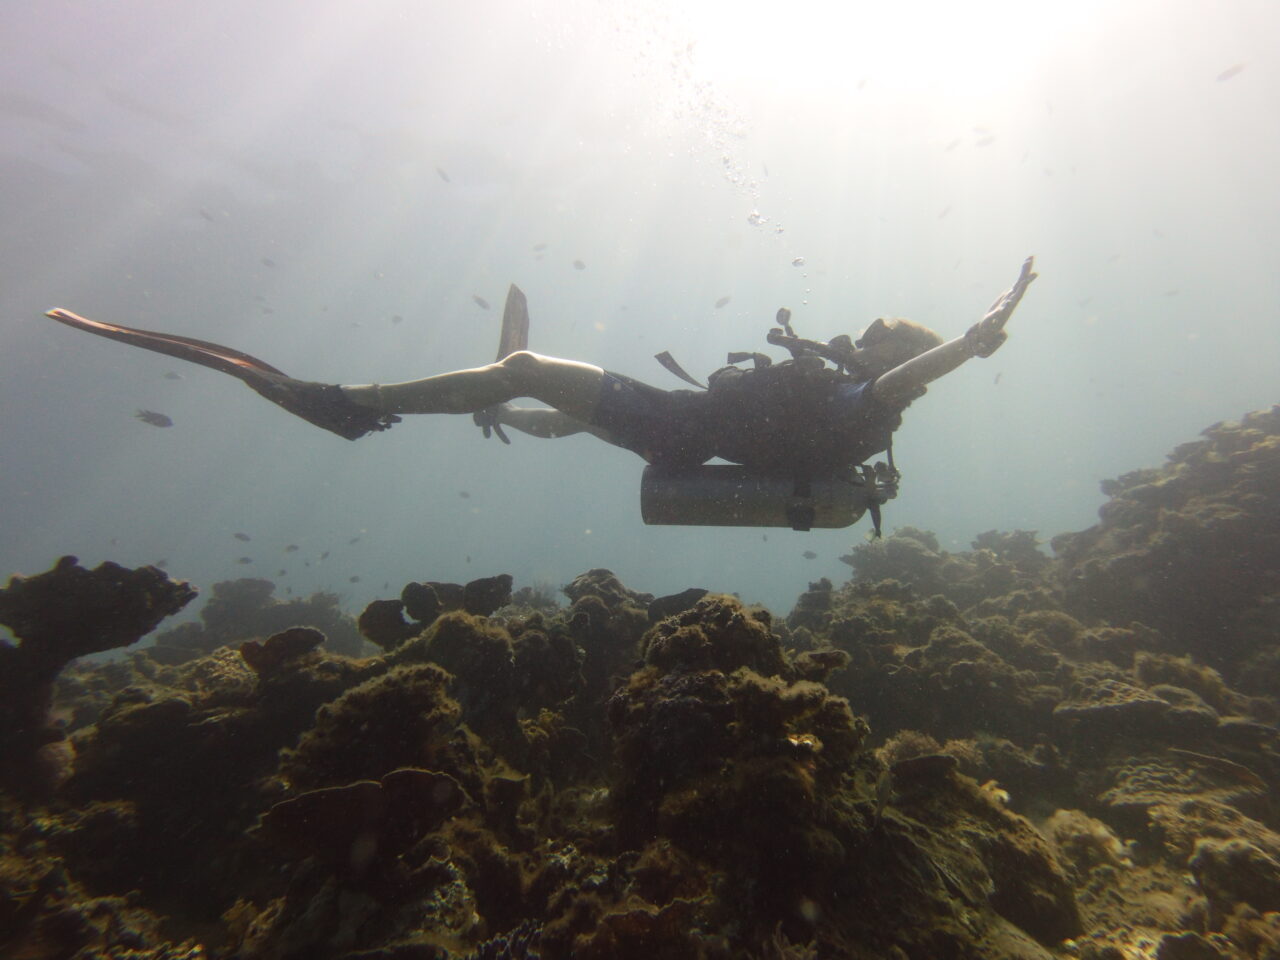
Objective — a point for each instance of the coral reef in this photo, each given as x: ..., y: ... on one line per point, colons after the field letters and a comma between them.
x: 992, y: 753
x: 57, y: 616
x: 383, y: 621
x: 1190, y: 548
x: 245, y: 609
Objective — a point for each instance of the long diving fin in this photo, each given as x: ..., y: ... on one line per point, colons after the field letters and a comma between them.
x: 515, y: 324
x: 514, y: 338
x: 213, y: 355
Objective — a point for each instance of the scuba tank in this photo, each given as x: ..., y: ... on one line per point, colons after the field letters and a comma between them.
x: 728, y: 495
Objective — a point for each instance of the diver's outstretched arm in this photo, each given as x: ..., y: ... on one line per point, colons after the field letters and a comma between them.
x: 981, y: 340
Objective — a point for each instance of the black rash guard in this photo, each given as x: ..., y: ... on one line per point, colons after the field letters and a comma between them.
x: 777, y: 419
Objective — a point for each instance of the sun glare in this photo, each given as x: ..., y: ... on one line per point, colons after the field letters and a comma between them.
x: 919, y: 46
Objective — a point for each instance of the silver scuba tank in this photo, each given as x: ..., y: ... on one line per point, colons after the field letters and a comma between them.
x: 728, y: 495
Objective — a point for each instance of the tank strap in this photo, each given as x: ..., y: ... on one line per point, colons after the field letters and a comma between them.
x: 669, y: 362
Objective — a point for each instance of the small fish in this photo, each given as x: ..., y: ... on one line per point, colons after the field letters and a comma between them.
x: 764, y: 537
x: 325, y: 555
x: 997, y: 379
x: 242, y: 536
x: 291, y: 548
x: 468, y: 558
x: 986, y: 141
x: 355, y: 539
x: 397, y: 319
x: 464, y: 495
x: 281, y: 573
x: 539, y: 247
x: 723, y: 301
x: 798, y: 262
x: 945, y: 211
x: 245, y: 560
x: 206, y: 214
x: 161, y: 564
x: 172, y: 375
x: 288, y: 590
x: 481, y: 302
x: 809, y: 555
x: 153, y: 418
x: 443, y: 176
x: 268, y: 262
x: 353, y: 579
x: 1233, y: 71
x: 579, y: 265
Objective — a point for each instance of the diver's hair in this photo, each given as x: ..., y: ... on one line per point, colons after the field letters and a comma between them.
x: 917, y: 336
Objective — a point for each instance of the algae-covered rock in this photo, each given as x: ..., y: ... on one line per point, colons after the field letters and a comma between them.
x: 268, y: 656
x: 57, y: 616
x: 1231, y: 872
x: 403, y: 718
x: 245, y: 609
x: 716, y: 633
x: 1189, y: 548
x: 355, y: 826
x: 480, y: 659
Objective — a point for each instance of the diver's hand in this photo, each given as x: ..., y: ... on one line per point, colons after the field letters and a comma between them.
x: 985, y: 337
x: 490, y: 421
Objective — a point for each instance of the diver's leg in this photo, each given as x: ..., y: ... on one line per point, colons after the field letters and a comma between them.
x: 567, y: 385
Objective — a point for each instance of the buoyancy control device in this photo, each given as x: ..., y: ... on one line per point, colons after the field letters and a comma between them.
x: 729, y: 495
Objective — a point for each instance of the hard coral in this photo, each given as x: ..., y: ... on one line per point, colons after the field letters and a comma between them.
x: 267, y: 656
x: 480, y: 660
x: 244, y: 609
x: 1190, y: 548
x: 383, y: 621
x: 717, y: 633
x: 65, y: 613
x: 403, y: 718
x: 355, y: 826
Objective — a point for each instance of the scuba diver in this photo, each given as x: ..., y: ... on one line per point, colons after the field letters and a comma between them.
x: 794, y: 423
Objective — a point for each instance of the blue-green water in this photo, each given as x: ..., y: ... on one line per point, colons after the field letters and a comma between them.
x: 290, y: 178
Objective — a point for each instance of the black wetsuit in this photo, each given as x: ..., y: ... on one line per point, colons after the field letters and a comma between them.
x: 777, y: 419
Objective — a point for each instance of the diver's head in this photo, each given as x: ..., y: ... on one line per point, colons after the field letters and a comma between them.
x: 888, y: 343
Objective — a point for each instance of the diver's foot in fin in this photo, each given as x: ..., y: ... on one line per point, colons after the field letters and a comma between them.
x: 323, y: 404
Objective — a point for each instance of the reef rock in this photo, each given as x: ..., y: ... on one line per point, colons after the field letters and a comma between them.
x: 57, y: 616
x: 1190, y: 548
x: 245, y: 609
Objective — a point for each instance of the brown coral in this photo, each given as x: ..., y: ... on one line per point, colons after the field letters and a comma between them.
x: 65, y: 613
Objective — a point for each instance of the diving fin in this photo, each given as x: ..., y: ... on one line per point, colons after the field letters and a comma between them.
x: 515, y: 324
x: 212, y: 355
x: 324, y: 405
x: 514, y: 338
